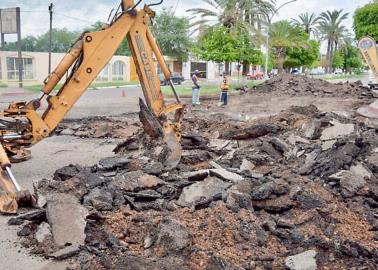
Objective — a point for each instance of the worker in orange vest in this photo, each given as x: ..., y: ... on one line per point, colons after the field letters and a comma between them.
x: 224, y: 86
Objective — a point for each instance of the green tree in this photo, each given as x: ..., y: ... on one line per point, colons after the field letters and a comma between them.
x: 283, y: 36
x: 366, y: 21
x: 28, y: 44
x: 303, y: 56
x: 248, y: 53
x: 256, y: 13
x: 62, y: 40
x: 233, y: 15
x: 338, y: 60
x: 172, y: 34
x: 332, y: 30
x: 352, y: 57
x: 307, y: 22
x: 219, y: 45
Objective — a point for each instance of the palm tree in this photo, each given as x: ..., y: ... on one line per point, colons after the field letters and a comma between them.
x: 256, y: 11
x: 221, y: 12
x: 284, y: 35
x: 332, y: 30
x: 234, y: 15
x: 307, y: 22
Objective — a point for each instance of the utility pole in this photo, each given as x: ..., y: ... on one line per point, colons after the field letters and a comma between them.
x: 2, y: 34
x: 20, y: 60
x: 50, y: 34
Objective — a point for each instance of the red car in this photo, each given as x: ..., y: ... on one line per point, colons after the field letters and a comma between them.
x: 255, y: 76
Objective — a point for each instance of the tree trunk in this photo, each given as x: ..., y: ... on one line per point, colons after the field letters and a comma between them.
x: 227, y: 68
x: 245, y: 69
x: 328, y: 57
x: 331, y: 58
x: 281, y: 54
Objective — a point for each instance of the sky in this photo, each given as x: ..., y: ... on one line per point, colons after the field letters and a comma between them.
x: 78, y: 14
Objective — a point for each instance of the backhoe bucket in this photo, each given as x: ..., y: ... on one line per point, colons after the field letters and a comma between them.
x: 11, y: 195
x: 8, y: 197
x: 171, y: 155
x: 173, y: 151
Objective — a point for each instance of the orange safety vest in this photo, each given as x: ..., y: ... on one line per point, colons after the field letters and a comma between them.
x: 225, y: 86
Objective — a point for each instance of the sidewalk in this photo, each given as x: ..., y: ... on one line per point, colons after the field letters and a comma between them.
x: 14, y: 91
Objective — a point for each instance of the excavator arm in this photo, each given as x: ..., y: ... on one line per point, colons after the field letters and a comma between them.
x: 368, y: 48
x: 21, y: 126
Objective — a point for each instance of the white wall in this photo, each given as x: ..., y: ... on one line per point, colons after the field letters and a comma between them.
x: 186, y: 70
x: 40, y: 66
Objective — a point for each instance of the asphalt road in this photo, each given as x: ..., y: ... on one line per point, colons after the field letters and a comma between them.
x: 56, y: 152
x: 93, y: 102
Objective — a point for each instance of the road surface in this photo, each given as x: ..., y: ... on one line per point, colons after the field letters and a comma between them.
x: 56, y: 152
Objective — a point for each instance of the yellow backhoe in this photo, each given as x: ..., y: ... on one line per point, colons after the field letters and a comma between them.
x: 21, y: 125
x: 368, y: 48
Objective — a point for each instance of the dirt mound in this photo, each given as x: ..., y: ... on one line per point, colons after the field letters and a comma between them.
x: 287, y: 84
x: 246, y: 195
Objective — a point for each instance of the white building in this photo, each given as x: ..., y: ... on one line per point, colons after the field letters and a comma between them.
x: 120, y: 68
x: 35, y: 67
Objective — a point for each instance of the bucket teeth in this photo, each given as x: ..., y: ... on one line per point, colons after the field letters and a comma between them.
x: 8, y: 197
x: 171, y: 155
x: 11, y: 195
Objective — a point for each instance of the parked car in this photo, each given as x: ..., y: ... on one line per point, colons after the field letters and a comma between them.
x: 176, y: 77
x: 317, y: 71
x: 295, y: 72
x: 255, y: 76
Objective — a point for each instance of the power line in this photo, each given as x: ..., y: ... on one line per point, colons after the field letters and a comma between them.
x: 174, y: 12
x: 73, y: 18
x: 32, y: 11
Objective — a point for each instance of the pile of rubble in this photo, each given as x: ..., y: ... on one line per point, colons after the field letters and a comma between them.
x: 101, y: 127
x: 296, y: 85
x: 298, y: 190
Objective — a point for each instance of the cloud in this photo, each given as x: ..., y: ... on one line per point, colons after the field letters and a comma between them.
x: 317, y: 6
x: 78, y: 14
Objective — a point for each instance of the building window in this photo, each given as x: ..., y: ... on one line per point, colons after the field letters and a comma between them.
x: 119, y: 69
x: 27, y: 68
x: 201, y: 67
x: 104, y: 74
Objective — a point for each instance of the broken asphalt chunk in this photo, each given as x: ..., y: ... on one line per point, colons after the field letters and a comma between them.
x: 100, y: 199
x: 337, y: 131
x: 207, y: 189
x: 196, y: 175
x: 252, y: 132
x: 226, y: 175
x: 302, y: 261
x: 67, y: 218
x: 65, y: 253
x: 172, y: 236
x: 113, y: 163
x: 67, y: 172
x: 350, y: 183
x: 37, y: 216
x: 136, y: 181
